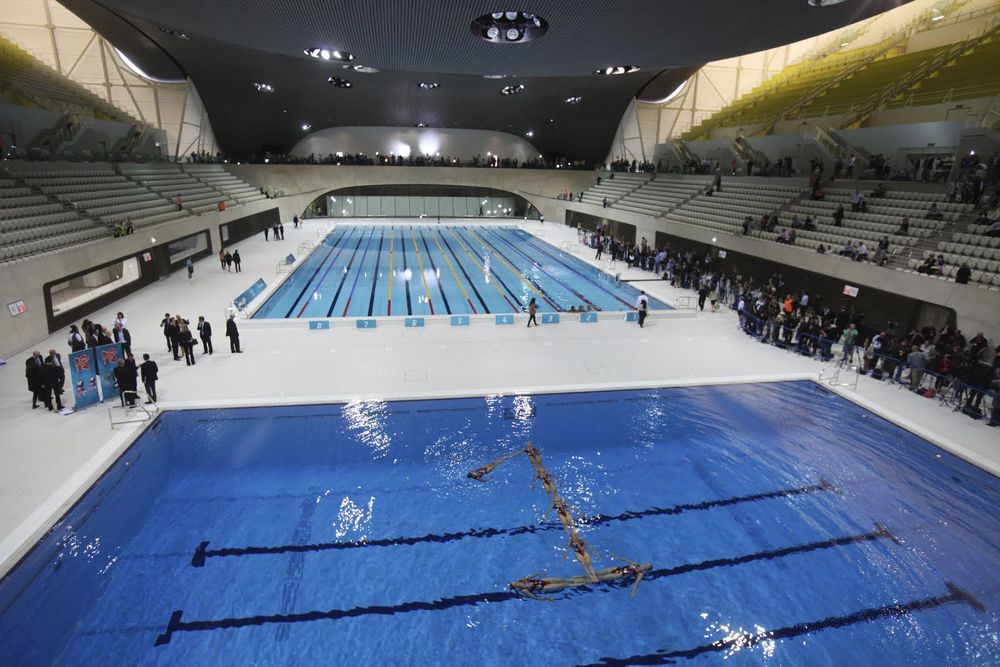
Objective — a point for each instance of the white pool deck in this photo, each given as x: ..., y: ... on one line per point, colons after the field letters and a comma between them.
x: 47, y: 461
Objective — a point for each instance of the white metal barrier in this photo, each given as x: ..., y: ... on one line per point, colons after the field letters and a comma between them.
x: 685, y: 302
x: 131, y: 414
x: 840, y: 376
x: 305, y: 247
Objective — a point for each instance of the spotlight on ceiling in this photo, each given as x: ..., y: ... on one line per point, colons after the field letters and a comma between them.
x: 362, y: 69
x: 421, y: 125
x: 512, y: 90
x: 509, y: 27
x: 529, y: 133
x: 496, y: 76
x: 617, y: 69
x: 576, y: 99
x: 339, y: 82
x: 328, y: 54
x: 824, y: 3
x: 306, y: 127
x: 428, y: 85
x: 264, y: 87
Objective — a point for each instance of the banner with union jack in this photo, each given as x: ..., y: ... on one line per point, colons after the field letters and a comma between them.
x: 83, y: 372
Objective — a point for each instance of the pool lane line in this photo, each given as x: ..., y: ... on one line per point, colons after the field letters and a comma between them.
x: 535, y: 288
x: 176, y: 624
x: 500, y: 238
x: 329, y: 265
x: 406, y: 282
x: 472, y: 283
x: 392, y: 238
x: 347, y: 272
x: 361, y: 264
x: 458, y: 281
x: 537, y: 245
x: 746, y: 640
x: 378, y: 263
x: 420, y: 265
x: 202, y: 552
x: 333, y: 246
x: 482, y: 267
x: 444, y: 298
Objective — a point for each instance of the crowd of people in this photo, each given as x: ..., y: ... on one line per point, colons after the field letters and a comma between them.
x: 425, y: 160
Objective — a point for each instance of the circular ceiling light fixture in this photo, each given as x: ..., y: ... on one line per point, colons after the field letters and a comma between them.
x: 264, y: 87
x: 616, y: 69
x: 328, y: 54
x: 428, y: 85
x: 509, y: 27
x: 529, y: 133
x: 306, y: 127
x: 512, y: 90
x: 576, y: 99
x: 362, y: 69
x: 339, y: 82
x: 496, y: 76
x: 824, y: 3
x: 420, y: 125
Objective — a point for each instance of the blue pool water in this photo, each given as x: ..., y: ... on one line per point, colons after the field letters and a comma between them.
x: 368, y: 271
x: 784, y: 525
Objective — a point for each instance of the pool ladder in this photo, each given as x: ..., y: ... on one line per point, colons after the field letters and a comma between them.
x: 840, y: 376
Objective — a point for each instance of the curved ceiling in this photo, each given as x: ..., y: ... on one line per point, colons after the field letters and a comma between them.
x: 231, y: 44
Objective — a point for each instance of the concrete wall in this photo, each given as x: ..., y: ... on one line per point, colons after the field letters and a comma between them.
x: 895, y: 141
x: 406, y: 141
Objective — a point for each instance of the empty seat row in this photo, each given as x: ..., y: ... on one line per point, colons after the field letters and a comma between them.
x: 35, y: 221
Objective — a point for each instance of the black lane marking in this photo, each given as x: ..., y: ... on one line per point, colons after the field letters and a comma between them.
x: 378, y: 263
x: 434, y: 268
x: 305, y: 287
x: 177, y: 625
x: 472, y: 284
x: 202, y: 552
x: 747, y: 640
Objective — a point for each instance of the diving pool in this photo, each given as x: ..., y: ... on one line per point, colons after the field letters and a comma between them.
x: 783, y: 524
x: 383, y: 270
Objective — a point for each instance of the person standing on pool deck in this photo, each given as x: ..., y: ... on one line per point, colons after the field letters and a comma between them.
x: 643, y: 310
x: 532, y: 309
x: 205, y: 333
x: 148, y: 370
x: 640, y: 299
x: 190, y: 267
x: 233, y: 334
x: 237, y: 260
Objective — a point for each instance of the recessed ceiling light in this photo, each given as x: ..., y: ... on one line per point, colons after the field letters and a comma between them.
x: 362, y: 69
x: 825, y: 3
x: 264, y: 87
x: 529, y: 133
x: 496, y: 76
x: 328, y: 54
x: 339, y: 82
x: 306, y: 127
x: 421, y: 125
x: 429, y: 85
x: 617, y: 69
x: 512, y: 90
x: 509, y: 27
x: 576, y: 99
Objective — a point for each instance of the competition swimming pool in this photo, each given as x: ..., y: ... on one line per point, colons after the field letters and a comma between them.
x: 783, y: 525
x: 383, y: 270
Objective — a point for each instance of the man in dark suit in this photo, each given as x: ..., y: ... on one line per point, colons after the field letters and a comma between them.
x: 122, y: 380
x: 166, y: 331
x: 50, y: 374
x: 57, y: 360
x: 174, y: 335
x: 33, y: 373
x: 233, y: 334
x: 149, y: 370
x: 205, y: 333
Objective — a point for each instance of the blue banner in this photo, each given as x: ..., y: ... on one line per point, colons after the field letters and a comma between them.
x: 83, y: 375
x: 107, y: 361
x: 250, y: 294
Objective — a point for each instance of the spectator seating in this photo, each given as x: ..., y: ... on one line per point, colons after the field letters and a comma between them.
x: 614, y: 189
x: 99, y: 192
x: 31, y: 223
x: 661, y: 195
x: 216, y: 177
x: 725, y: 210
x: 168, y: 181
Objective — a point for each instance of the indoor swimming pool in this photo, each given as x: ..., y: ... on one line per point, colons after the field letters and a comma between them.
x: 383, y: 270
x: 782, y: 525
